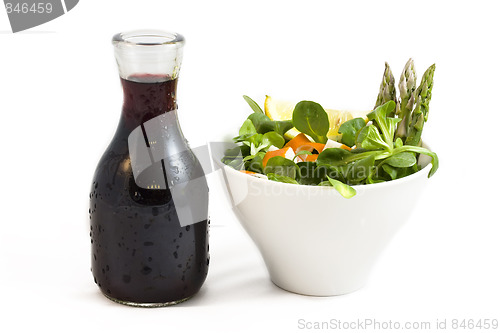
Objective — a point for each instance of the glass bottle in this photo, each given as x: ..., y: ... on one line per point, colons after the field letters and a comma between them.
x: 149, y: 198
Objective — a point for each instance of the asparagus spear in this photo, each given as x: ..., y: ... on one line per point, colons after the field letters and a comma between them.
x: 387, y: 88
x: 407, y: 86
x: 419, y: 116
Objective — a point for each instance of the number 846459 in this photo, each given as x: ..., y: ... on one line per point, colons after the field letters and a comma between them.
x: 25, y: 8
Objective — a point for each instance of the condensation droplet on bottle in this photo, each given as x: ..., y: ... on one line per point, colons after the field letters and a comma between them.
x: 146, y: 270
x: 154, y: 211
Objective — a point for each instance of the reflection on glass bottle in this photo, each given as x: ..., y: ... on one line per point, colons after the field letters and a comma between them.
x: 149, y: 199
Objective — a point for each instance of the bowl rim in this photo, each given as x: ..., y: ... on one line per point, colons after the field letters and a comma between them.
x: 394, y: 182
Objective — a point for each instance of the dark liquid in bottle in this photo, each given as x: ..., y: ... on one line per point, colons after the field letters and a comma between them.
x: 140, y: 252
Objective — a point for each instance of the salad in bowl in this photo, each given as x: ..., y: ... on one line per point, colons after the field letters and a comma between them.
x: 292, y: 166
x: 310, y: 149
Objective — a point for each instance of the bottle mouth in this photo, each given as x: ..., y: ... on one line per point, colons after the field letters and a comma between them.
x: 142, y: 53
x: 148, y: 38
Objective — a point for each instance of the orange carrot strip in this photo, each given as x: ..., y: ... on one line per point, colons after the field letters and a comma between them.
x: 269, y: 154
x: 301, y: 142
x: 318, y: 146
x: 312, y: 158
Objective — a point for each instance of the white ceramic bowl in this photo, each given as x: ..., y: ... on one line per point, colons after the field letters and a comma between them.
x: 314, y: 241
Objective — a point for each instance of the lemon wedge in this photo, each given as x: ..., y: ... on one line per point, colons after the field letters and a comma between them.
x: 280, y: 110
x: 283, y: 110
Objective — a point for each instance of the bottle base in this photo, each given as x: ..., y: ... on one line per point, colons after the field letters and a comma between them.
x: 147, y: 305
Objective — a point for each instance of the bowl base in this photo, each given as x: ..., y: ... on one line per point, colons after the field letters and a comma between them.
x: 317, y: 293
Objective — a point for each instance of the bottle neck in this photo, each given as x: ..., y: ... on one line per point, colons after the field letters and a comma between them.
x: 145, y: 97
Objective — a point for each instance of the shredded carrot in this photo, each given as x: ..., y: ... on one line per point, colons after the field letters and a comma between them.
x: 248, y: 172
x: 311, y: 158
x: 301, y: 142
x: 345, y: 147
x: 269, y: 154
x: 318, y: 146
x: 297, y: 141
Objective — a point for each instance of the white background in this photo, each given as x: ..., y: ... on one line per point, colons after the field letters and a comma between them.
x: 60, y: 101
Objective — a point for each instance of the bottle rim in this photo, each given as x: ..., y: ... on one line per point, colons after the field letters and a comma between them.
x: 148, y: 37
